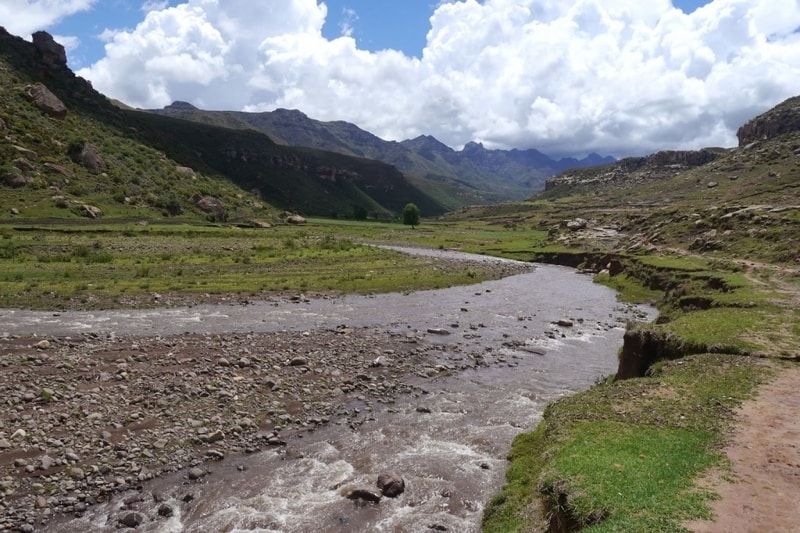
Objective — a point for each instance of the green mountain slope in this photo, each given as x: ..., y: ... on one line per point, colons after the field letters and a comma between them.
x: 153, y: 165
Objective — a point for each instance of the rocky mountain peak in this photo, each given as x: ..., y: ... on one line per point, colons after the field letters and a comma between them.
x: 783, y: 118
x: 180, y: 105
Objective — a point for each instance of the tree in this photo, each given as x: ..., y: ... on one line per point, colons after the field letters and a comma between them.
x: 411, y: 215
x: 359, y: 212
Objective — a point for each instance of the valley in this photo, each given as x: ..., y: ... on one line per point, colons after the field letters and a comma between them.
x: 117, y: 212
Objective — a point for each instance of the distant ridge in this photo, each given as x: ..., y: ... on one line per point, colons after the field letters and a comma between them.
x: 471, y: 175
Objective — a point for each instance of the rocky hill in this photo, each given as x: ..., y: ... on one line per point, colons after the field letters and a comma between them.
x: 472, y: 175
x: 67, y: 151
x: 784, y: 118
x: 742, y: 202
x: 633, y: 171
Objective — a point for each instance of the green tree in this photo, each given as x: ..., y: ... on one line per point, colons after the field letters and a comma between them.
x: 411, y: 215
x: 359, y: 212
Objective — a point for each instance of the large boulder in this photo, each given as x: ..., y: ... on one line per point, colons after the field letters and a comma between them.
x: 91, y: 211
x: 212, y: 206
x: 58, y: 169
x: 46, y: 100
x: 85, y: 154
x: 13, y: 177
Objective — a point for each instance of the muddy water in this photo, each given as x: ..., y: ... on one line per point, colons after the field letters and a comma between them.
x: 449, y: 441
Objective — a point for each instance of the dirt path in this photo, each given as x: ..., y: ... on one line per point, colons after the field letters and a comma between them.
x: 765, y: 456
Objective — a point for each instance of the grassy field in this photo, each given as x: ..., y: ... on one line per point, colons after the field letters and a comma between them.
x: 92, y: 265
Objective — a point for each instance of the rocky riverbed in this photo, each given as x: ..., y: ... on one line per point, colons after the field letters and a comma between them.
x: 88, y: 416
x: 144, y: 418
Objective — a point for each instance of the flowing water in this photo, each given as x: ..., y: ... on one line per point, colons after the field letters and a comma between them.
x: 449, y: 442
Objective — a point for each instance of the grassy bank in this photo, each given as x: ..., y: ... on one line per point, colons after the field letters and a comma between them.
x: 626, y: 454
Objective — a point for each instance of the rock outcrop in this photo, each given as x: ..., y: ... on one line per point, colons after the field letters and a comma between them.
x: 783, y: 118
x: 52, y: 52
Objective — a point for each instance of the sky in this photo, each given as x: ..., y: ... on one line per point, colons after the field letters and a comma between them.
x: 567, y: 77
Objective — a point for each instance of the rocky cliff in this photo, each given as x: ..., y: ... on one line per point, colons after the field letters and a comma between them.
x: 783, y: 118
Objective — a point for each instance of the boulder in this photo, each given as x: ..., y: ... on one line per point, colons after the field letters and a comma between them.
x: 196, y: 473
x: 187, y: 171
x: 212, y: 206
x: 87, y: 155
x: 295, y: 219
x: 46, y: 100
x: 391, y: 484
x: 91, y: 211
x: 576, y: 224
x: 13, y: 177
x: 23, y: 164
x: 26, y: 153
x: 58, y: 169
x: 132, y: 520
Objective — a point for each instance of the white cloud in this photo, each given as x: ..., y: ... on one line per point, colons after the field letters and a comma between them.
x: 567, y: 77
x: 24, y: 17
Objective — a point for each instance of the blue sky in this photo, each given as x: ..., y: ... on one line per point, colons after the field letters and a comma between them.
x: 568, y: 77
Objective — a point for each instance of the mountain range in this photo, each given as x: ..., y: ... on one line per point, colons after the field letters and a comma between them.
x: 471, y: 175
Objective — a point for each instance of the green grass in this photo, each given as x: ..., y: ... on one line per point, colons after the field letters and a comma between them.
x: 629, y: 289
x: 94, y: 265
x: 631, y: 478
x: 624, y: 456
x: 732, y: 329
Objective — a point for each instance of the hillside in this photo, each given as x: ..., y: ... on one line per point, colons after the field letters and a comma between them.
x: 67, y: 146
x: 472, y: 175
x: 742, y: 202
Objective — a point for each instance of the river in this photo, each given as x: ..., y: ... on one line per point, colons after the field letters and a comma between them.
x: 448, y: 441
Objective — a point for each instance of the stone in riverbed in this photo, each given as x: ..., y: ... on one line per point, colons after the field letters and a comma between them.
x: 196, y: 473
x: 131, y: 520
x: 165, y: 510
x: 364, y: 495
x: 391, y: 484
